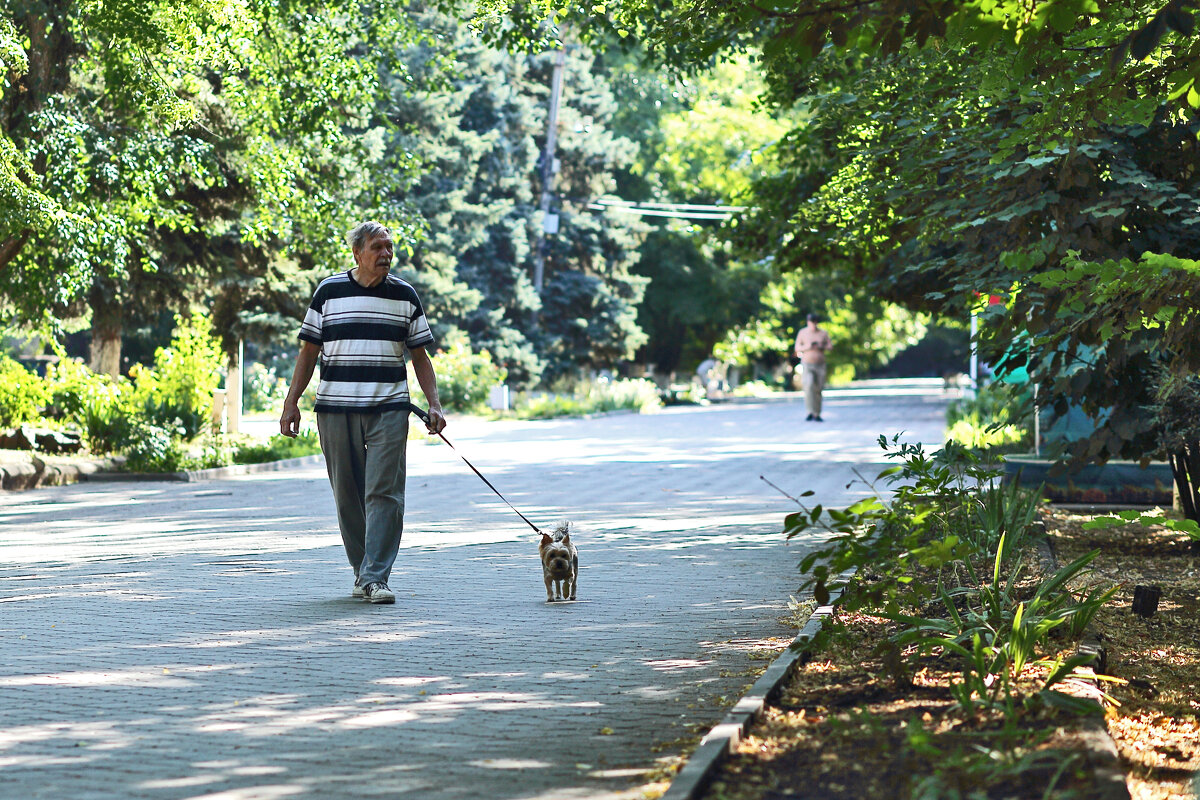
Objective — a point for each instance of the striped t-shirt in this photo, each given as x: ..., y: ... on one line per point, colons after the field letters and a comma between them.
x: 362, y: 332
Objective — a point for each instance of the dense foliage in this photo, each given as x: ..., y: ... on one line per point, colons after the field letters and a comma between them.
x: 147, y: 169
x: 1039, y: 152
x: 166, y: 153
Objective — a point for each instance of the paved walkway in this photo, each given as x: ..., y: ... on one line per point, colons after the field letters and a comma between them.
x: 197, y: 640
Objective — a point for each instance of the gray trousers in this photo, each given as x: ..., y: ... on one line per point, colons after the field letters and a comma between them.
x: 365, y: 459
x: 812, y: 380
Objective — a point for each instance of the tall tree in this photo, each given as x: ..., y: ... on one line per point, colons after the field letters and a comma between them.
x: 174, y: 151
x: 589, y: 316
x: 701, y: 142
x: 469, y: 130
x: 478, y: 135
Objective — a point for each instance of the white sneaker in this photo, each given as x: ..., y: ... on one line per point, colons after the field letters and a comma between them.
x: 378, y: 593
x: 357, y: 591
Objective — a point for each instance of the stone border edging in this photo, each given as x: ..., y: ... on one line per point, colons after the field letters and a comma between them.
x: 1099, y: 748
x: 719, y: 742
x: 23, y: 475
x: 192, y: 475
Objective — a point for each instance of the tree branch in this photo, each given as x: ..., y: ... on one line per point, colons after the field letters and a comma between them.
x: 11, y: 247
x: 815, y: 12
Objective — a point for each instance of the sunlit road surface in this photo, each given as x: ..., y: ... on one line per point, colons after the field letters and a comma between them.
x: 173, y: 640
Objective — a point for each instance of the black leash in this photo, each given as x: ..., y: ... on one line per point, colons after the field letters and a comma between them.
x: 425, y: 418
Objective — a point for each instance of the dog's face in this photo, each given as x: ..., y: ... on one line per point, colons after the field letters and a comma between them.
x: 558, y: 554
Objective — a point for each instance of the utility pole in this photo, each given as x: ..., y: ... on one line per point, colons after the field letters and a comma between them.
x: 549, y: 171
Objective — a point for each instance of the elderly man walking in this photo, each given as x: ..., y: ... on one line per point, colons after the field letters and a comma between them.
x: 359, y: 324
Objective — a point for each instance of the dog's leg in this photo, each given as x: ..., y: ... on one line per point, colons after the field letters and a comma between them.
x: 549, y: 592
x: 572, y: 584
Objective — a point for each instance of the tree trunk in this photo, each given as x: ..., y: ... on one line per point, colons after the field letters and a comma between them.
x: 1185, y: 466
x: 107, y: 319
x: 9, y: 248
x: 51, y: 53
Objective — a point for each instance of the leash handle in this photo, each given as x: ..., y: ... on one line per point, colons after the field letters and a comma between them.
x: 425, y: 418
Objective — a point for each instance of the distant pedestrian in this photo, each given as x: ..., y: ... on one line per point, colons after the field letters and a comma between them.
x: 709, y: 373
x: 359, y: 324
x: 812, y: 343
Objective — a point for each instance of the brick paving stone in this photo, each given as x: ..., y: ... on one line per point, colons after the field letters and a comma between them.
x: 198, y: 641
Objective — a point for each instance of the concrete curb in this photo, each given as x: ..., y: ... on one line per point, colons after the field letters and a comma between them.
x: 37, y: 472
x: 1099, y: 747
x: 1101, y: 753
x: 720, y: 742
x: 192, y: 475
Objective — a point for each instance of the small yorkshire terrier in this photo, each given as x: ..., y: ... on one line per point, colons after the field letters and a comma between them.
x: 560, y: 563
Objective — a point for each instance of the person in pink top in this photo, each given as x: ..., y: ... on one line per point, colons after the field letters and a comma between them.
x: 812, y: 343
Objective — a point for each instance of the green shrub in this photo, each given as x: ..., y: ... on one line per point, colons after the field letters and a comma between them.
x: 995, y: 633
x: 71, y: 387
x: 108, y: 421
x: 214, y: 450
x: 592, y: 397
x: 689, y: 394
x: 153, y: 449
x: 278, y: 448
x: 464, y: 378
x: 22, y: 394
x: 995, y: 421
x: 754, y: 389
x: 547, y: 406
x: 185, y: 422
x: 1003, y: 514
x: 636, y: 394
x: 921, y: 524
x: 177, y: 391
x: 264, y: 390
x: 945, y: 515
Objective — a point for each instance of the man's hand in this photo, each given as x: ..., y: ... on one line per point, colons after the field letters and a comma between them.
x: 436, y: 421
x: 289, y: 421
x: 306, y: 362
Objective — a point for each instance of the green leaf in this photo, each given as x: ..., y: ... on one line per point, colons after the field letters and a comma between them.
x: 1077, y: 705
x: 867, y: 504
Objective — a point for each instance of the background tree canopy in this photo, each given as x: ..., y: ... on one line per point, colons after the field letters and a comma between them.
x: 892, y: 160
x: 166, y: 153
x: 1042, y: 152
x: 147, y: 168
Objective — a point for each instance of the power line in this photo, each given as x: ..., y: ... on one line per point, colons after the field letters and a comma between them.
x: 676, y: 210
x: 604, y: 201
x: 651, y: 212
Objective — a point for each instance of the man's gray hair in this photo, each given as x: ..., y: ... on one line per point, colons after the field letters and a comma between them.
x: 364, y: 232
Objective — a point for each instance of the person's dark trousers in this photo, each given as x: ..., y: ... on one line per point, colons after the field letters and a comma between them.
x: 365, y: 459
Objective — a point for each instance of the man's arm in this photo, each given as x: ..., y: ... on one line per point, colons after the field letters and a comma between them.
x: 423, y: 367
x: 306, y: 362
